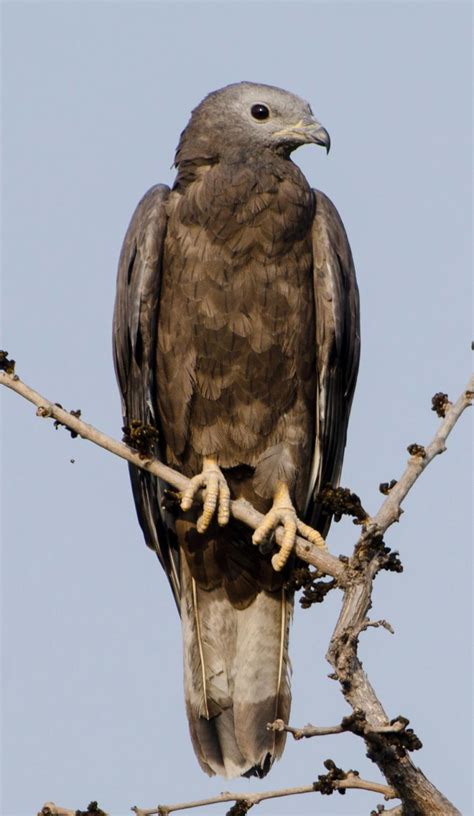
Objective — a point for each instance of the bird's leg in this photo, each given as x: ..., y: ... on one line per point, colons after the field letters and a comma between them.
x: 284, y: 513
x: 216, y: 494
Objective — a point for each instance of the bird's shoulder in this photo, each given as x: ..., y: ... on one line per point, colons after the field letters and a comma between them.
x: 329, y: 234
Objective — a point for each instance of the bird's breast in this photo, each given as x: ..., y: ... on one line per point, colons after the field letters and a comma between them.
x: 248, y: 209
x: 238, y: 258
x: 236, y: 323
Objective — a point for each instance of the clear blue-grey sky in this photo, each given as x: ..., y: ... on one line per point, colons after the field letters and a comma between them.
x: 95, y: 95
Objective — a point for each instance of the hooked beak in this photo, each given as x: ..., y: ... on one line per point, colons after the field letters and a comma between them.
x: 319, y: 135
x: 307, y: 131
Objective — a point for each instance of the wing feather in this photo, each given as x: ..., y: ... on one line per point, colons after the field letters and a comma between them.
x: 134, y: 337
x: 338, y: 349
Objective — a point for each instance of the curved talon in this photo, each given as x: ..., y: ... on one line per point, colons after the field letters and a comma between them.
x: 312, y: 535
x: 289, y: 537
x: 216, y: 494
x: 284, y: 513
x: 223, y: 510
x: 272, y: 519
x: 276, y: 516
x: 187, y: 497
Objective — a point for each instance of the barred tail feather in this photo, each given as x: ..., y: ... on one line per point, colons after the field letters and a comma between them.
x: 236, y: 677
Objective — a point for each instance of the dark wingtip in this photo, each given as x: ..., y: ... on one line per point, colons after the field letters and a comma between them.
x: 260, y: 770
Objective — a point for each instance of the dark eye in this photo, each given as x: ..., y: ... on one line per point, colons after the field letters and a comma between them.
x: 259, y: 112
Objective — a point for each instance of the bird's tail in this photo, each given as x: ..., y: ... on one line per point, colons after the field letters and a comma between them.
x: 235, y: 616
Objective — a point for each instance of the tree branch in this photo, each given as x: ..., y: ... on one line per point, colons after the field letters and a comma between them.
x: 390, y: 511
x: 388, y: 751
x: 351, y: 781
x: 306, y: 731
x: 50, y: 809
x: 350, y: 723
x: 241, y: 509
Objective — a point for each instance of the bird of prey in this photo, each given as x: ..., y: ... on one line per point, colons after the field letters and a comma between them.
x: 236, y: 336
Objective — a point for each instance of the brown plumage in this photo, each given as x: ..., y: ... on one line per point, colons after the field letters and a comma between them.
x: 236, y: 334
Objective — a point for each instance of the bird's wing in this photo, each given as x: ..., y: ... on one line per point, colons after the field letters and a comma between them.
x: 337, y: 349
x: 134, y: 337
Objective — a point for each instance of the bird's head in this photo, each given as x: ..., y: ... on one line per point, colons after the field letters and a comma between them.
x: 247, y: 118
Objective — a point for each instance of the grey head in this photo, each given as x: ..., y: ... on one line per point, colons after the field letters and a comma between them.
x: 248, y: 117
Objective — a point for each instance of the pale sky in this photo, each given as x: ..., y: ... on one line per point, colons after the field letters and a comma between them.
x: 95, y: 95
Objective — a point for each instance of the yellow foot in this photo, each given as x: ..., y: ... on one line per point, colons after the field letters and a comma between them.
x: 216, y: 494
x: 284, y: 513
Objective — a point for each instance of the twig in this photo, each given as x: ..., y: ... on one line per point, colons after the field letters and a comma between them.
x: 390, y: 511
x: 352, y: 781
x: 50, y: 809
x: 241, y: 509
x: 305, y: 731
x: 367, y: 624
x: 351, y: 723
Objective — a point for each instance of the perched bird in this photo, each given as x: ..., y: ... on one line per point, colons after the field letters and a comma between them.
x: 236, y: 336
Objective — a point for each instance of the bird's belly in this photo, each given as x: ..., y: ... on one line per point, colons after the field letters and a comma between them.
x: 236, y: 370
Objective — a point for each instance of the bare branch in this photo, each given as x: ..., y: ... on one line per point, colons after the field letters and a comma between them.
x: 388, y: 750
x: 306, y: 731
x: 353, y: 723
x: 50, y: 809
x: 390, y: 510
x: 376, y: 625
x: 351, y: 781
x: 241, y: 510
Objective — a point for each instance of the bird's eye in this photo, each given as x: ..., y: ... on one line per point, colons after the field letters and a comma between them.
x: 260, y: 112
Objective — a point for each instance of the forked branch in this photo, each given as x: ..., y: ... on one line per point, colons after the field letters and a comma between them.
x: 388, y: 750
